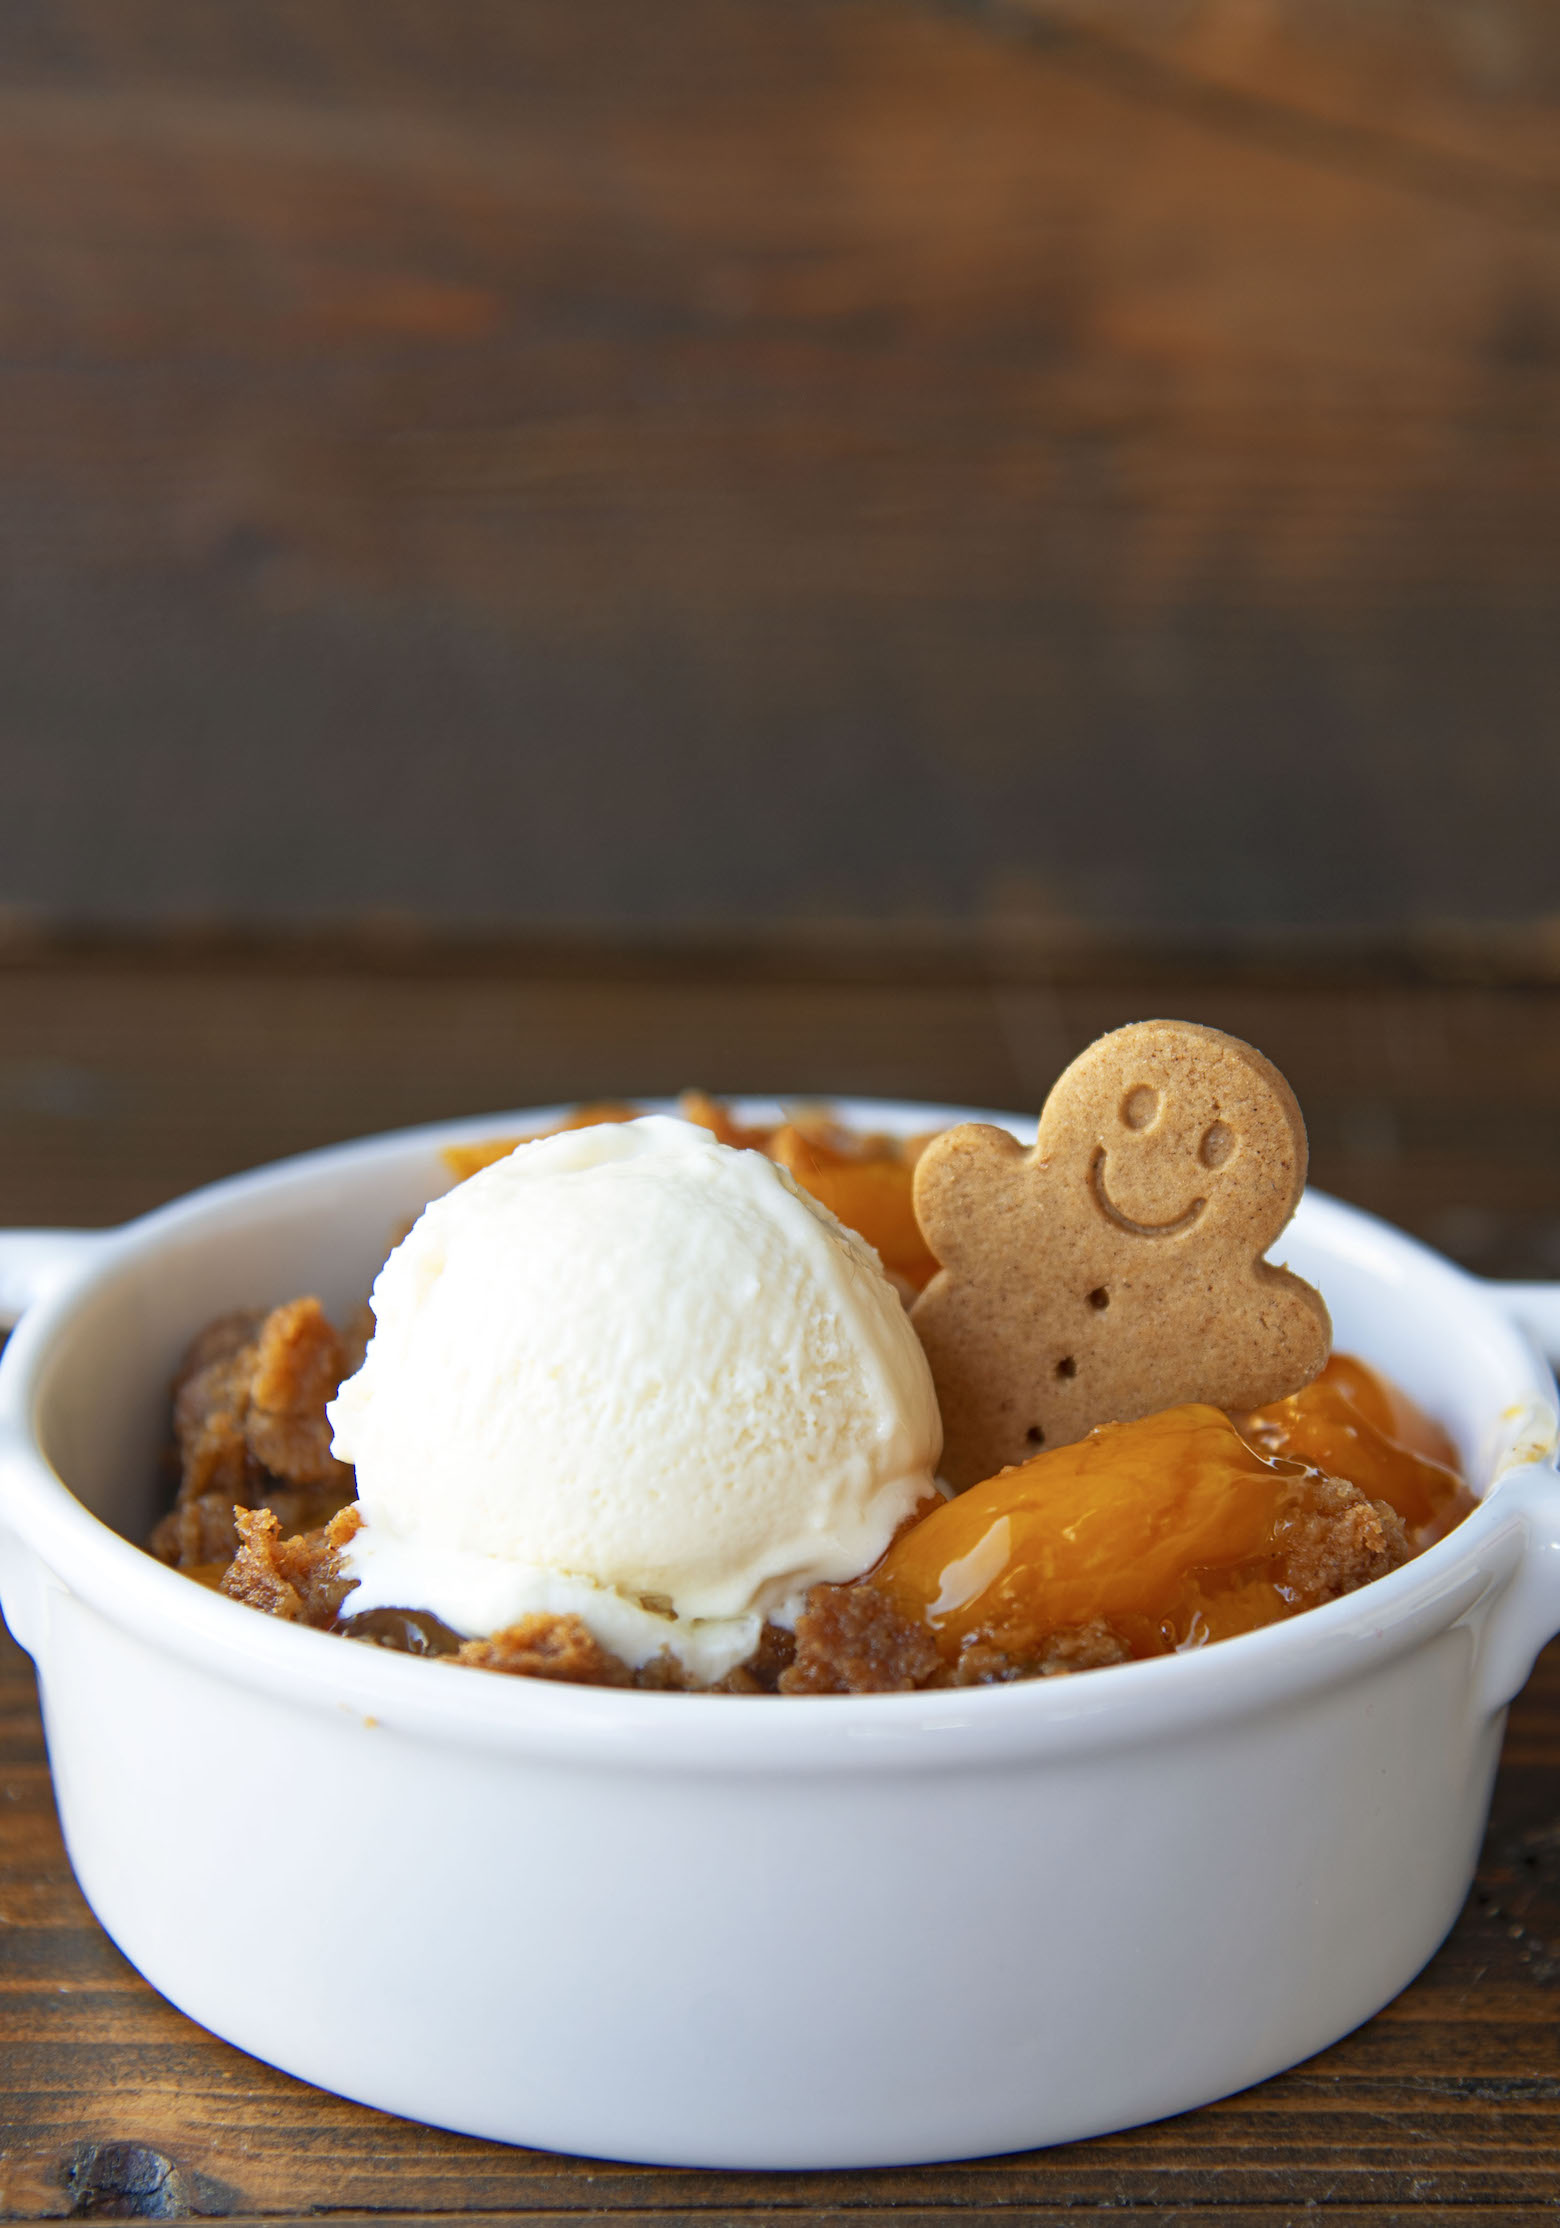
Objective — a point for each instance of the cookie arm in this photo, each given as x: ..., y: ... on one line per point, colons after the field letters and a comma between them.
x: 964, y: 1190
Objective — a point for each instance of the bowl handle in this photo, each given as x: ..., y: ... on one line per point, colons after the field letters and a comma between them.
x: 23, y: 1583
x: 1527, y: 1615
x: 33, y: 1262
x: 1534, y: 1308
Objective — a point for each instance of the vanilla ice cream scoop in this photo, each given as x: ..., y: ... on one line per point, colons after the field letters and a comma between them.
x: 632, y: 1374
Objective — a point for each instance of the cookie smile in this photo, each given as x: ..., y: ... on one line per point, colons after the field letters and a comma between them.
x: 1113, y: 1213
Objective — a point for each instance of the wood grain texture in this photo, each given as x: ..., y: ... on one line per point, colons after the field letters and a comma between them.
x: 120, y: 1085
x: 779, y: 458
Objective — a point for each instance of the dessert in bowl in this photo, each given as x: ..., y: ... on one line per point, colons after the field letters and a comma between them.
x: 715, y: 1928
x: 632, y: 1406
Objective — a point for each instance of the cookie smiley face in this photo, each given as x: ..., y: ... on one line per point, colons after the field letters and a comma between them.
x: 1173, y: 1130
x: 1152, y: 1138
x: 1117, y: 1267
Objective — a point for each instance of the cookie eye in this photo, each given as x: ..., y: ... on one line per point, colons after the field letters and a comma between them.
x: 1139, y: 1107
x: 1217, y: 1145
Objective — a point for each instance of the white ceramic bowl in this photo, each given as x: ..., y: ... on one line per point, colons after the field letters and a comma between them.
x: 745, y: 1932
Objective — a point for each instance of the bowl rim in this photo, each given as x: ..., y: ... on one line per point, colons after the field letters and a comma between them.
x: 951, y: 1728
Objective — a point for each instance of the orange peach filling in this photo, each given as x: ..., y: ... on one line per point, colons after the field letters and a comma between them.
x: 1356, y: 1425
x: 1178, y: 1529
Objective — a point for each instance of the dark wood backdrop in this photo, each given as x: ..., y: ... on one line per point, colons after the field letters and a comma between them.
x: 551, y: 461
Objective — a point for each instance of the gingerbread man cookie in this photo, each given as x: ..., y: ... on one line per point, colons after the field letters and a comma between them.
x: 1117, y: 1267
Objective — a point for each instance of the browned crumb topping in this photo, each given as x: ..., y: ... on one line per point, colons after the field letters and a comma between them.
x: 1081, y: 1648
x: 299, y: 1362
x: 299, y: 1579
x: 198, y: 1532
x: 1333, y: 1540
x: 852, y: 1640
x: 250, y: 1429
x: 546, y: 1647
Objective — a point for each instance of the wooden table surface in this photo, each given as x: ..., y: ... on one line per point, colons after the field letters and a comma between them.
x: 123, y: 1082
